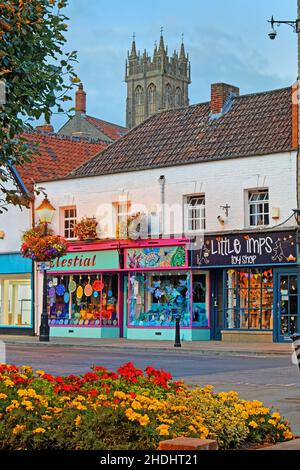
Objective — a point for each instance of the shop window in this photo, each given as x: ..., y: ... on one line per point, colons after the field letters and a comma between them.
x: 249, y: 299
x: 155, y: 299
x: 16, y: 301
x: 258, y: 202
x: 200, y: 300
x: 69, y: 219
x: 195, y: 213
x: 83, y: 300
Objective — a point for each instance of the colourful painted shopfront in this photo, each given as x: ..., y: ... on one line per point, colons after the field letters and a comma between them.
x: 130, y: 289
x: 255, y: 284
x: 16, y: 295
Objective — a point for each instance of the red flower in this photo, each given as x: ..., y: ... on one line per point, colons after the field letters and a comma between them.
x: 130, y: 372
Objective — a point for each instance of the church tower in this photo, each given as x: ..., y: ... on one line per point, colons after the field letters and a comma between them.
x: 155, y: 83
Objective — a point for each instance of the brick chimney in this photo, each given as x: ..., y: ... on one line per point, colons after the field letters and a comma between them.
x: 219, y: 94
x: 80, y: 100
x: 45, y: 128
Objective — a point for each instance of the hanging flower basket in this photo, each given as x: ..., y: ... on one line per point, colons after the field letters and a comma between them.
x: 42, y: 248
x: 86, y: 229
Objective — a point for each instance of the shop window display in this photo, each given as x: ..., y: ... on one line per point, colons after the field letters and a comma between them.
x: 15, y: 301
x: 200, y: 300
x: 156, y: 299
x: 83, y: 300
x: 249, y: 299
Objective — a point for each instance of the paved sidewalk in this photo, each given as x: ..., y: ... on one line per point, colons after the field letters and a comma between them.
x: 289, y: 445
x: 199, y: 347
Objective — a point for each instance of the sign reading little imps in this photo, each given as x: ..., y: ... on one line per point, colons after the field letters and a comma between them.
x: 246, y: 249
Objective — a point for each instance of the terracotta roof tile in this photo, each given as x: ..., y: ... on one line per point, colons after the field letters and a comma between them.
x: 256, y: 124
x: 113, y: 131
x: 56, y: 156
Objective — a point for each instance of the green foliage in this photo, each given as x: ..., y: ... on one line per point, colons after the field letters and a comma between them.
x: 34, y: 69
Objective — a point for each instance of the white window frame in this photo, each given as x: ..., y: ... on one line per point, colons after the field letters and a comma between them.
x: 190, y: 213
x: 67, y: 231
x: 260, y: 213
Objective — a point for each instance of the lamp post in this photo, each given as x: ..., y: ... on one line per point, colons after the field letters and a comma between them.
x: 45, y: 213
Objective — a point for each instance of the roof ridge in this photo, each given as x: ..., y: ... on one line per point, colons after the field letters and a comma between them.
x: 106, y: 122
x: 72, y: 138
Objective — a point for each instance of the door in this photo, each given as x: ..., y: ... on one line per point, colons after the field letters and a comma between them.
x: 217, y: 294
x: 287, y: 305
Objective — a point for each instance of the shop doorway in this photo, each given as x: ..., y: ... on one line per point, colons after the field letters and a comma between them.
x: 217, y: 301
x: 287, y: 306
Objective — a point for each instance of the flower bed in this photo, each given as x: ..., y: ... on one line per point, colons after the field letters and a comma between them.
x: 130, y: 409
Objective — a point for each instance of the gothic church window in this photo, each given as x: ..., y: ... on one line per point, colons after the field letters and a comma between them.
x: 139, y: 105
x: 178, y: 98
x: 169, y: 97
x: 151, y: 98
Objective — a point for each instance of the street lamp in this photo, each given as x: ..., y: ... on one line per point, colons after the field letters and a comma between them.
x: 45, y: 213
x: 294, y: 24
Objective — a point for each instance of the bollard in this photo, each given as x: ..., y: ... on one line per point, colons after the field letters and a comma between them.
x: 296, y: 343
x: 177, y: 332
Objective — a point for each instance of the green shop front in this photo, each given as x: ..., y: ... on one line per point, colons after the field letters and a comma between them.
x: 16, y: 295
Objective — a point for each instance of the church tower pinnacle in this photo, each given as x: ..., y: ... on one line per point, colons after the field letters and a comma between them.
x: 157, y: 83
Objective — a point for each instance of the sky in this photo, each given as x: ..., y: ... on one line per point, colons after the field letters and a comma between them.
x: 227, y: 41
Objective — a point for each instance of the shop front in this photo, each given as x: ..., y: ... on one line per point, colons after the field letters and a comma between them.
x: 16, y: 287
x: 84, y: 295
x: 161, y: 286
x: 254, y: 284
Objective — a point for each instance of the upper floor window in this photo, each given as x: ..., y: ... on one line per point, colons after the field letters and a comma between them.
x: 178, y: 97
x: 151, y: 98
x: 122, y: 209
x: 195, y: 213
x: 169, y: 97
x: 258, y: 201
x: 139, y: 105
x: 69, y: 219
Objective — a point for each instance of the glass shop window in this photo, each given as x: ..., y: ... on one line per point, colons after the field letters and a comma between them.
x: 15, y: 301
x: 200, y: 300
x: 83, y: 300
x: 249, y: 299
x: 155, y: 299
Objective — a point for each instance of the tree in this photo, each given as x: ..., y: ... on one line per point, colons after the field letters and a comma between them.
x: 33, y: 71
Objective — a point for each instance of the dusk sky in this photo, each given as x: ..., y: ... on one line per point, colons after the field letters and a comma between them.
x: 227, y: 40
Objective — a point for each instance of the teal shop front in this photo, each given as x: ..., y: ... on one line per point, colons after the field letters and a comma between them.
x: 159, y: 286
x: 84, y: 295
x: 16, y: 295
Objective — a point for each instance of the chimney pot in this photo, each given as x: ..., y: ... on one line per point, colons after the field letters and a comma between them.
x: 219, y: 95
x: 80, y: 100
x: 45, y: 128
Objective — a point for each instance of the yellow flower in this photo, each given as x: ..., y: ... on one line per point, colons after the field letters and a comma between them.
x: 28, y: 405
x: 3, y: 396
x: 144, y: 420
x: 22, y: 392
x: 39, y: 431
x: 120, y: 395
x: 8, y: 383
x: 14, y: 404
x: 253, y: 424
x: 80, y: 398
x: 77, y: 420
x: 163, y: 429
x: 64, y: 398
x: 136, y: 405
x: 27, y: 369
x: 288, y: 435
x: 273, y: 422
x: 276, y: 416
x: 40, y: 372
x: 46, y: 417
x: 18, y: 428
x: 281, y: 426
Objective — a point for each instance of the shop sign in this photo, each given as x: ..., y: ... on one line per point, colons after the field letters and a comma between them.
x: 86, y: 261
x: 155, y: 257
x: 246, y: 249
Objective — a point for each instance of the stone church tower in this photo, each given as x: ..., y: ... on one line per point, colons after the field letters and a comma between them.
x: 156, y: 83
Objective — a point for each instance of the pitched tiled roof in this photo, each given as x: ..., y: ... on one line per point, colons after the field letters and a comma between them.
x: 255, y: 124
x: 113, y: 131
x: 56, y: 156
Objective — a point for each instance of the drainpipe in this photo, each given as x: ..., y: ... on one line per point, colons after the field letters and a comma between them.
x: 162, y: 182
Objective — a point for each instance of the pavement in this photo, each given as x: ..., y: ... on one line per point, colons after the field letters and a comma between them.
x: 199, y: 347
x: 289, y: 445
